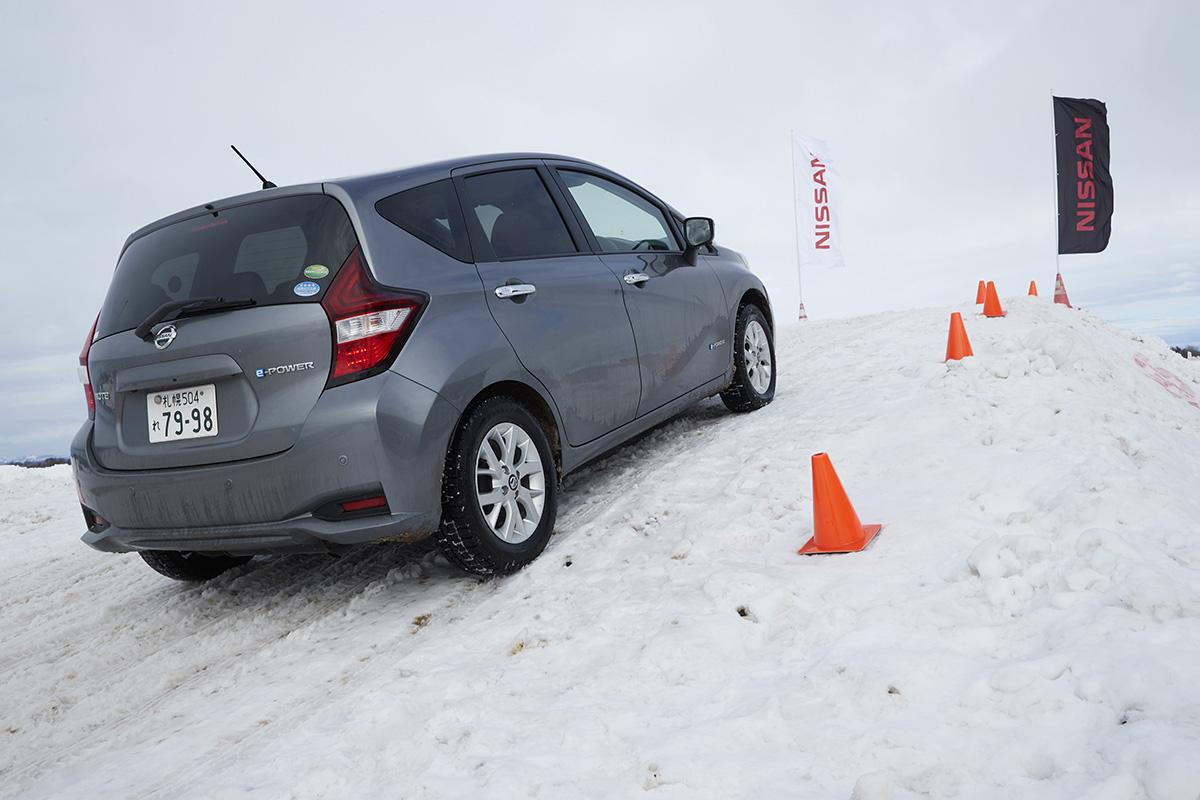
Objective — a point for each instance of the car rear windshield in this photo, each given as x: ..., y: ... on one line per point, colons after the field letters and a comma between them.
x: 275, y: 251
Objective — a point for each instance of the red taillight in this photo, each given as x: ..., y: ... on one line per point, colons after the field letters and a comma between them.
x: 94, y: 521
x: 84, y: 376
x: 368, y: 321
x: 350, y: 506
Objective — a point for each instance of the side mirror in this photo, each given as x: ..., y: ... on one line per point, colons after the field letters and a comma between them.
x: 698, y: 231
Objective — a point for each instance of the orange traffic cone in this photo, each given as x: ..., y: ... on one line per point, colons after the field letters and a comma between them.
x: 991, y: 303
x: 980, y: 293
x: 958, y: 346
x: 836, y: 528
x: 1033, y: 289
x: 1060, y: 291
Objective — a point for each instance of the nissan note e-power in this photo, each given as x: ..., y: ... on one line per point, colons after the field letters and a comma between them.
x: 417, y: 353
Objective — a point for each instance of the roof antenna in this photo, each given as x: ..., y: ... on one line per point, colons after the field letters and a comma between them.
x: 266, y: 183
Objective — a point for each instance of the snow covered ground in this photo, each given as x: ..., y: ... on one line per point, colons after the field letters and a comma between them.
x: 1027, y: 624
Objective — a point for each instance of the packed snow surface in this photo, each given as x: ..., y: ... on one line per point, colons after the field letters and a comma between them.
x: 1027, y: 624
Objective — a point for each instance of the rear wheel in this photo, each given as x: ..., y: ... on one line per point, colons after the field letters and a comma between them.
x: 499, y: 490
x: 753, y: 362
x: 185, y: 566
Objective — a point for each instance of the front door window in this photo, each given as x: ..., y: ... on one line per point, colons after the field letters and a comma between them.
x: 622, y: 221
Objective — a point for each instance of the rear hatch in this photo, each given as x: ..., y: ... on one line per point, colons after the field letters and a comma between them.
x: 235, y: 375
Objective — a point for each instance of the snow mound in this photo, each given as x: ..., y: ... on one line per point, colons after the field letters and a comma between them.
x: 1027, y: 624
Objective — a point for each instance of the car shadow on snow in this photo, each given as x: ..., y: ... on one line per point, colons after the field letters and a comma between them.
x: 327, y: 575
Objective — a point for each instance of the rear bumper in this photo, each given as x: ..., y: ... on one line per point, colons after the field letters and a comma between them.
x: 305, y: 534
x: 386, y: 432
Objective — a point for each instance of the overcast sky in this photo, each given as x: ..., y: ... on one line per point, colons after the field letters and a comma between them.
x: 939, y: 117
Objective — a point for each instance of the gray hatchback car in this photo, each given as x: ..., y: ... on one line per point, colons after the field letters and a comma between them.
x: 416, y: 353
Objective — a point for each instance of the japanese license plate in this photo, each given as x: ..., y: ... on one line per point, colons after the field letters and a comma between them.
x: 188, y: 413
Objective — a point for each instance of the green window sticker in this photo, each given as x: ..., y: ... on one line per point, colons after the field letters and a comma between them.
x: 316, y: 271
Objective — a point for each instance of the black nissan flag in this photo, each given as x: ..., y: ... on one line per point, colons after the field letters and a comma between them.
x: 1085, y: 189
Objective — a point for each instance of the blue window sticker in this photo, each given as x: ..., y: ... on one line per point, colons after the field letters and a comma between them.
x: 306, y: 288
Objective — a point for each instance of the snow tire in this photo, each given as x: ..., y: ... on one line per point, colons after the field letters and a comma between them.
x: 740, y: 395
x: 465, y: 538
x: 183, y: 566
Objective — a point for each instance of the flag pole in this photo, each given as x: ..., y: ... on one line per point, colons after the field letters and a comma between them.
x: 796, y: 224
x: 1054, y: 172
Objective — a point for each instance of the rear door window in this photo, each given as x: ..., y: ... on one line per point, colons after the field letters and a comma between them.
x: 285, y: 250
x: 517, y: 216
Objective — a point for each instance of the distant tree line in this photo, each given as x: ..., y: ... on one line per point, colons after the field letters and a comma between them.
x: 36, y: 461
x: 1191, y: 351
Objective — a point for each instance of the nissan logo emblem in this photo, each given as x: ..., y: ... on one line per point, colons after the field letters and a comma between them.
x: 163, y: 339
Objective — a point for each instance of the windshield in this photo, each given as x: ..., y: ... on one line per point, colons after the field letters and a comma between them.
x: 275, y: 251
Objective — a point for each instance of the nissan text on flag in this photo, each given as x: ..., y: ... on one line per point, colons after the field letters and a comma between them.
x: 415, y: 353
x: 815, y: 213
x: 1084, y: 188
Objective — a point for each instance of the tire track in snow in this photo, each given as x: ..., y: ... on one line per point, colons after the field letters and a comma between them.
x: 276, y: 576
x: 397, y: 642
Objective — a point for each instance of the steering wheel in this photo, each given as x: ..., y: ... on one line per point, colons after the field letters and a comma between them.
x: 649, y: 244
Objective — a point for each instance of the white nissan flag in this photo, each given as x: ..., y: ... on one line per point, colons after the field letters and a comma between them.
x: 818, y: 221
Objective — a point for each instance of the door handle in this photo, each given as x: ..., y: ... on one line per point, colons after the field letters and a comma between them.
x: 634, y: 278
x: 510, y: 290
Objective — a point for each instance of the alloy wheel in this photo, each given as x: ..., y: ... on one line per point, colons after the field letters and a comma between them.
x: 510, y: 483
x: 756, y: 351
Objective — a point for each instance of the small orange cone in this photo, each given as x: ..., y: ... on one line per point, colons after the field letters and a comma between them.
x: 958, y: 346
x: 980, y: 293
x: 1033, y: 289
x: 991, y: 303
x: 1060, y: 291
x: 836, y: 528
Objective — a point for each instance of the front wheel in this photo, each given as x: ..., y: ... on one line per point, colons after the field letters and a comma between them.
x: 753, y: 383
x: 499, y: 490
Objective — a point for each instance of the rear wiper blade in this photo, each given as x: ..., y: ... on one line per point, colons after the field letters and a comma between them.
x: 173, y: 309
x: 219, y: 304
